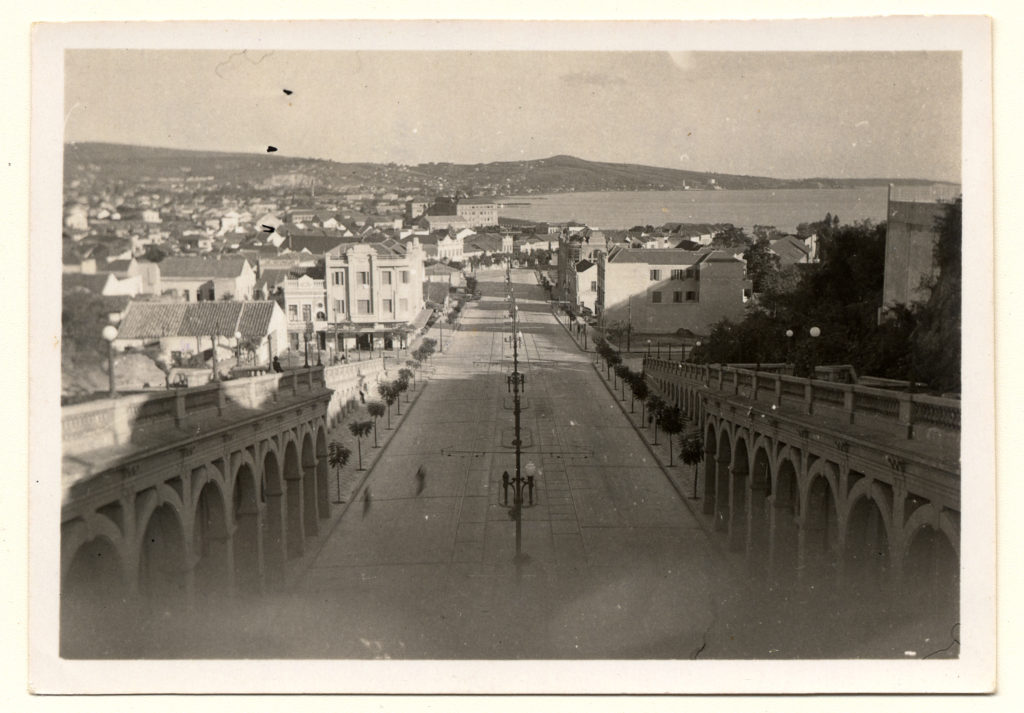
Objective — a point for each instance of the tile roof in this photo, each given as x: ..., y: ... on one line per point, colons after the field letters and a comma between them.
x: 255, y: 318
x: 583, y: 265
x: 151, y: 319
x: 201, y: 267
x: 144, y: 320
x: 655, y: 256
x: 439, y: 268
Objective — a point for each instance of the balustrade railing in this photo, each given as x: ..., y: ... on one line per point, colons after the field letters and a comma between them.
x: 111, y: 422
x: 851, y: 403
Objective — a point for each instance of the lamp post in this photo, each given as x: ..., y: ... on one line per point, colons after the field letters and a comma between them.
x: 517, y: 380
x: 648, y: 347
x: 238, y: 347
x: 306, y: 334
x: 789, y: 346
x: 815, y: 332
x: 110, y: 334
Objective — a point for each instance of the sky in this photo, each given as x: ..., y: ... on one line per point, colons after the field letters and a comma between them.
x: 778, y: 114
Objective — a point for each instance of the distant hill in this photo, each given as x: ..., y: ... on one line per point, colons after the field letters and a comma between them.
x: 557, y: 174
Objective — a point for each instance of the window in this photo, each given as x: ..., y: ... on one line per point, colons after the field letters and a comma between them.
x: 656, y: 297
x: 405, y: 277
x: 307, y: 313
x: 339, y: 278
x: 186, y: 295
x: 655, y: 275
x: 293, y: 313
x: 385, y: 278
x: 403, y: 305
x: 364, y: 278
x: 691, y: 296
x: 364, y: 306
x: 678, y: 274
x: 388, y: 306
x: 593, y: 285
x: 677, y: 296
x: 339, y: 306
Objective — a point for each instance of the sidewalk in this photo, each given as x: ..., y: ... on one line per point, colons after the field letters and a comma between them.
x: 348, y: 486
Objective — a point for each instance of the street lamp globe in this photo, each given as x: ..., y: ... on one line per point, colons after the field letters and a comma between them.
x: 110, y: 333
x: 530, y: 469
x: 789, y: 333
x: 238, y: 335
x: 814, y: 332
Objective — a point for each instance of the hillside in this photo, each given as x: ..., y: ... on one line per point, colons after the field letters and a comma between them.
x: 557, y: 174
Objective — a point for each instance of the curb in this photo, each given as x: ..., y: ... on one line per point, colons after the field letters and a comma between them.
x: 713, y: 537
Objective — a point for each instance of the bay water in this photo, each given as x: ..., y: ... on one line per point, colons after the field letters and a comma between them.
x: 783, y: 208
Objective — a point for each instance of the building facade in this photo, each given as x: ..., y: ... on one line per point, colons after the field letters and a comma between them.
x: 374, y: 292
x: 478, y: 211
x: 910, y: 238
x: 660, y: 291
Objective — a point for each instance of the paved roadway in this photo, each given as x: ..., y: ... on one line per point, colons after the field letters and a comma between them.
x: 618, y: 565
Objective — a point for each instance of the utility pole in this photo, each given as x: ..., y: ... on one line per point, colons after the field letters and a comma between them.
x: 629, y: 322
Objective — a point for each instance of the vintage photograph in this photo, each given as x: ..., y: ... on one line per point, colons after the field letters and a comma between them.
x: 513, y: 352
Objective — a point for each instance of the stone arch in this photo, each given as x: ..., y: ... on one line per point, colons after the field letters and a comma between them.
x: 323, y: 498
x: 274, y: 535
x: 292, y: 472
x: 931, y: 562
x: 80, y: 531
x: 92, y: 594
x: 710, y: 450
x: 164, y: 558
x: 310, y: 522
x: 245, y: 541
x: 785, y: 515
x: 759, y: 507
x: 867, y: 538
x: 723, y: 461
x: 739, y: 479
x: 211, y: 543
x: 820, y: 527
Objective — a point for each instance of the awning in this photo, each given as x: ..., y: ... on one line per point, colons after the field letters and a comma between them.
x: 422, y: 318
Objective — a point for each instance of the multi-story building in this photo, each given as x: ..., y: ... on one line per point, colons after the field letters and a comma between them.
x: 197, y: 278
x: 374, y: 293
x: 661, y: 291
x: 910, y: 238
x: 305, y: 303
x: 573, y: 247
x: 583, y: 285
x: 478, y: 211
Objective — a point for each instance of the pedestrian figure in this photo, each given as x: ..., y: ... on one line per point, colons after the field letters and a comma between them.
x: 277, y: 365
x: 421, y: 479
x: 367, y: 498
x: 362, y: 397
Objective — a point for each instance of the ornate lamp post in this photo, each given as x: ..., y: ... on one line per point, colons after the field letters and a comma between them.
x: 110, y: 334
x: 518, y: 482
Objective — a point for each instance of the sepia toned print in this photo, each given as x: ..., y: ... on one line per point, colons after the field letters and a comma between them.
x: 461, y: 356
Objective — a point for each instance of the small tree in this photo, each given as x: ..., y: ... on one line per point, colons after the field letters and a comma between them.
x: 360, y: 429
x: 622, y: 371
x: 396, y: 389
x: 337, y: 458
x: 388, y: 393
x: 655, y: 405
x: 640, y: 392
x: 671, y: 423
x: 692, y: 454
x: 402, y: 385
x: 375, y: 409
x: 407, y: 375
x: 612, y: 360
